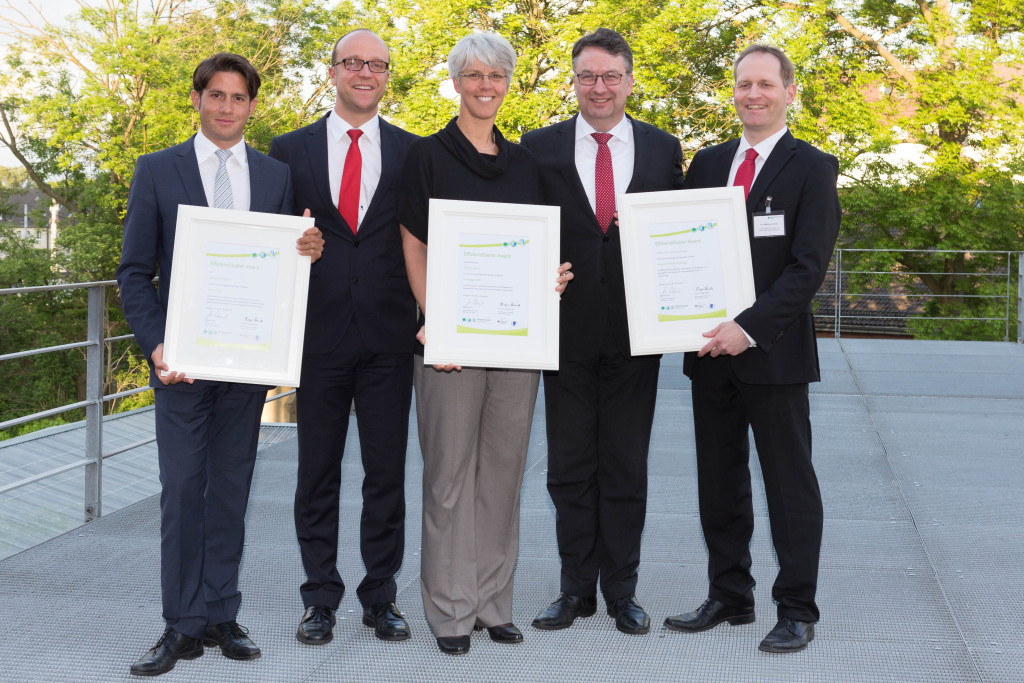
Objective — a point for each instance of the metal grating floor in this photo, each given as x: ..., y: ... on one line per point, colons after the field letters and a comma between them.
x: 918, y: 447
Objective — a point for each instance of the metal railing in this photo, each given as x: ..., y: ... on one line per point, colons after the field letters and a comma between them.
x: 837, y: 301
x: 95, y: 346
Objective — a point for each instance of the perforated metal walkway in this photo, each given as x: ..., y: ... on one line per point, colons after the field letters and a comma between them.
x: 919, y: 451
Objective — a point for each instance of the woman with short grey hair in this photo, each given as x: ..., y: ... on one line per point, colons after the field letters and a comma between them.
x: 474, y: 423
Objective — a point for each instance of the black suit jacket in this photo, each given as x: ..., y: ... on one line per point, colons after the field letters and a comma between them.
x: 788, y: 270
x: 595, y: 299
x: 363, y: 275
x: 162, y: 181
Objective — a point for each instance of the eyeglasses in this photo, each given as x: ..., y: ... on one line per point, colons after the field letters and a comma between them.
x: 610, y: 78
x: 377, y: 66
x: 476, y: 77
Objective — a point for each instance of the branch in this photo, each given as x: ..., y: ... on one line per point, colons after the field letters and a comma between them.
x: 11, y: 143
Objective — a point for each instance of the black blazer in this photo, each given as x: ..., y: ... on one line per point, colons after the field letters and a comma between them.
x: 788, y: 270
x: 162, y: 181
x: 363, y: 275
x: 595, y: 300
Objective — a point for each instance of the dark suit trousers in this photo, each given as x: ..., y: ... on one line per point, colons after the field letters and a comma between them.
x: 206, y: 445
x: 381, y: 384
x: 599, y: 416
x: 779, y: 415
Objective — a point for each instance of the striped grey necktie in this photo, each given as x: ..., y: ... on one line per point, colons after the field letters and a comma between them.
x: 222, y: 183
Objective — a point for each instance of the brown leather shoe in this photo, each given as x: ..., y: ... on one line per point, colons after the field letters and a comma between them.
x: 162, y: 657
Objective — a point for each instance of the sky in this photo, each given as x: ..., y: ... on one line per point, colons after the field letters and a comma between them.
x: 54, y: 11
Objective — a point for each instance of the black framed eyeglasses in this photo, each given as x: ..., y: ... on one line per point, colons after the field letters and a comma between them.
x: 610, y: 78
x: 377, y: 66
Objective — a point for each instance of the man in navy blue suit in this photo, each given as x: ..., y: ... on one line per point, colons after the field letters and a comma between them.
x: 754, y: 371
x: 360, y: 331
x: 207, y: 432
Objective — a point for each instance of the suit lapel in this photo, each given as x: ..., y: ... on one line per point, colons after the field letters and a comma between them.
x: 188, y: 170
x: 722, y: 165
x: 783, y: 151
x: 388, y: 170
x: 640, y: 144
x: 316, y: 154
x: 258, y: 179
x: 565, y: 152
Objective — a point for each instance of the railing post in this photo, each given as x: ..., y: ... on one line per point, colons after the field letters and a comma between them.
x: 1020, y: 297
x: 94, y: 409
x: 839, y: 275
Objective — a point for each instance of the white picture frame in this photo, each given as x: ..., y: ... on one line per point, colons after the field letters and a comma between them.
x: 686, y: 263
x: 484, y: 259
x: 237, y: 304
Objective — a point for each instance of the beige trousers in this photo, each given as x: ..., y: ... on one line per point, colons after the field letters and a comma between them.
x: 474, y: 428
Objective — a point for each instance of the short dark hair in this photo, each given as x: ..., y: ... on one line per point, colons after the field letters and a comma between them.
x: 334, y: 50
x: 786, y: 68
x: 226, y: 61
x: 608, y: 40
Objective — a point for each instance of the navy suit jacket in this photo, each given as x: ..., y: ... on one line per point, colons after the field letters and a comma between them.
x: 162, y: 181
x: 788, y: 270
x: 359, y: 276
x: 595, y: 299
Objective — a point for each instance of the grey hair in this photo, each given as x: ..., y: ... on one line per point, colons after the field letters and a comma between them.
x: 489, y: 48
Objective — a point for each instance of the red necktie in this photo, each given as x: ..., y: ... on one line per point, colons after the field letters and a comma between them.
x: 745, y: 173
x: 348, y: 196
x: 604, y: 182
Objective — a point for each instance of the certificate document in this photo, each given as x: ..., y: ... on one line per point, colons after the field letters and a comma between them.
x: 687, y: 270
x: 237, y: 305
x: 491, y: 271
x: 686, y: 264
x: 494, y: 284
x: 238, y: 294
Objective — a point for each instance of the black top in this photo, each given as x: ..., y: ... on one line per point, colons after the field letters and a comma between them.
x: 446, y: 165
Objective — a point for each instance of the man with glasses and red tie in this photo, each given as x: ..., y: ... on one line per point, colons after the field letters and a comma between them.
x: 600, y: 403
x: 360, y: 331
x: 754, y: 370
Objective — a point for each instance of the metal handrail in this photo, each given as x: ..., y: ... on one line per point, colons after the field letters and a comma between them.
x: 95, y: 345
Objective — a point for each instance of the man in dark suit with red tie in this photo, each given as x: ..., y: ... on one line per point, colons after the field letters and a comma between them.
x: 754, y: 371
x: 600, y: 402
x: 360, y: 331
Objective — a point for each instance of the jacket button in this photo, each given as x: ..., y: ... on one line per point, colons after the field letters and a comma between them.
x: 355, y: 280
x: 603, y: 281
x: 605, y: 238
x: 356, y: 244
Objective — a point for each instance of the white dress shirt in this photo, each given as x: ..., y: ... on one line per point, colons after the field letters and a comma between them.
x: 620, y: 144
x: 338, y: 143
x: 237, y: 166
x: 764, y: 148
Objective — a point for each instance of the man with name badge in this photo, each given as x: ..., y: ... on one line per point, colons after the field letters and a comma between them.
x: 754, y: 371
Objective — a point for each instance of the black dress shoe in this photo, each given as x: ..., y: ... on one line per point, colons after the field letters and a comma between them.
x: 710, y: 614
x: 317, y: 625
x: 505, y: 633
x: 453, y: 645
x: 789, y: 635
x: 162, y: 657
x: 629, y: 616
x: 564, y: 611
x: 233, y: 640
x: 387, y: 622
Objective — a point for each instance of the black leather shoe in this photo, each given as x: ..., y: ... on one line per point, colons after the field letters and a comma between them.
x: 317, y: 626
x: 564, y: 611
x: 162, y: 657
x: 387, y: 622
x: 789, y: 635
x: 629, y: 616
x: 453, y: 645
x: 505, y: 633
x: 233, y: 640
x: 709, y: 615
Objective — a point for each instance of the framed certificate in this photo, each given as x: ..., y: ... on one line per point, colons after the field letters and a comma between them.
x: 237, y: 305
x: 686, y: 262
x: 491, y: 299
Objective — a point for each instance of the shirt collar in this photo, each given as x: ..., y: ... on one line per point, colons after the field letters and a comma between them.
x: 764, y: 148
x: 206, y: 149
x: 339, y: 128
x: 623, y: 130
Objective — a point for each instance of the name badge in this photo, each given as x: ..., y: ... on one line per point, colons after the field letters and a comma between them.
x: 770, y: 224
